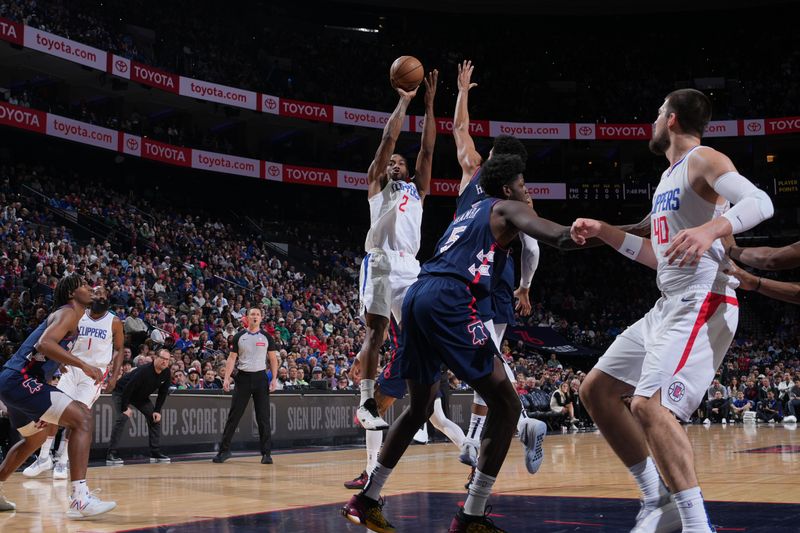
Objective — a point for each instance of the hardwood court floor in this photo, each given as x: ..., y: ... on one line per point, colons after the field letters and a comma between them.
x: 735, y: 463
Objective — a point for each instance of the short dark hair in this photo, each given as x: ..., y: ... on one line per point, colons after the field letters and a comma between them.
x: 64, y: 289
x: 692, y: 110
x: 508, y: 145
x: 500, y: 170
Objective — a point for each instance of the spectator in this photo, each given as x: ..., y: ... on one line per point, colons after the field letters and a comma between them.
x: 193, y: 379
x: 553, y: 363
x: 739, y: 406
x: 794, y: 398
x: 561, y: 404
x: 717, y: 408
x: 770, y: 410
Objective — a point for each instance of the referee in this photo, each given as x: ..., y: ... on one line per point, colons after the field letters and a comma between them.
x: 249, y: 350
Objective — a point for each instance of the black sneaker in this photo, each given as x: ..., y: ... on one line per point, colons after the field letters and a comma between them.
x: 221, y: 457
x: 463, y: 523
x: 158, y: 457
x: 266, y: 459
x: 112, y: 459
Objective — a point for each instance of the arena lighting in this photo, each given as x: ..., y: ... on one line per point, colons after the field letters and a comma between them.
x: 347, y: 28
x: 770, y: 158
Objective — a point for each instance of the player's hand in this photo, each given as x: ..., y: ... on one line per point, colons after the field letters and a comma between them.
x: 583, y: 229
x: 406, y: 95
x: 128, y: 412
x: 226, y: 385
x: 156, y: 417
x: 523, y: 301
x: 747, y: 281
x: 273, y: 384
x: 93, y: 372
x: 110, y: 384
x: 430, y: 87
x: 465, y: 76
x: 689, y: 245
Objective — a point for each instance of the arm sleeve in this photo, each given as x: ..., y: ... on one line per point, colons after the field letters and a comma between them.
x: 163, y: 390
x: 751, y: 205
x: 530, y: 260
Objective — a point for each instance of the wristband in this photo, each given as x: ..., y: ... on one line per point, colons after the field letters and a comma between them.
x: 631, y: 246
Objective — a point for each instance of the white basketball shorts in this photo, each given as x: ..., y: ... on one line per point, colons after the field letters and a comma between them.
x: 675, y: 348
x: 80, y: 387
x: 384, y: 280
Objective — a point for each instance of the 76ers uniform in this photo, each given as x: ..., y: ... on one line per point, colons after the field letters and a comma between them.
x: 679, y: 344
x: 30, y: 400
x: 95, y: 346
x: 443, y: 310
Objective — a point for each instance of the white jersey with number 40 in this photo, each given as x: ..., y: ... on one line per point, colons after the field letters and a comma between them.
x: 676, y: 206
x: 395, y: 218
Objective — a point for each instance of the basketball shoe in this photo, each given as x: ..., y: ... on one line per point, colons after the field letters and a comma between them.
x: 90, y: 505
x: 469, y: 452
x: 532, y: 433
x: 368, y: 416
x: 463, y: 523
x: 6, y: 505
x: 41, y: 464
x: 358, y: 483
x: 367, y: 512
x: 60, y: 470
x: 665, y: 518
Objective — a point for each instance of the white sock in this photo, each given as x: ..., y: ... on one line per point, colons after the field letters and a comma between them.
x: 61, y: 452
x: 374, y: 441
x: 475, y: 430
x: 650, y: 484
x: 377, y: 479
x: 479, y: 490
x: 692, y: 510
x: 367, y: 389
x: 80, y: 490
x: 451, y: 430
x: 47, y: 446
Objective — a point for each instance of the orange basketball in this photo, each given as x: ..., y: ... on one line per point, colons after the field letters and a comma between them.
x: 406, y: 73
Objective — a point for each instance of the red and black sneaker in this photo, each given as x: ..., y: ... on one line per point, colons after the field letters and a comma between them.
x: 364, y: 511
x: 358, y: 483
x: 463, y: 523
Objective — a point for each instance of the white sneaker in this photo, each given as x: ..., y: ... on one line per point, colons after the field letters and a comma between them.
x: 6, y: 505
x: 663, y: 519
x: 368, y: 416
x: 469, y: 452
x: 532, y: 437
x: 89, y: 506
x: 60, y: 470
x: 791, y: 419
x: 706, y: 422
x: 41, y: 464
x: 724, y: 421
x: 421, y: 436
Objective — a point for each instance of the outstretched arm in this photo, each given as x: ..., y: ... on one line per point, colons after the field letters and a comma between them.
x: 631, y: 246
x: 468, y: 157
x: 422, y: 173
x: 376, y: 175
x: 767, y: 258
x: 778, y: 290
x: 518, y: 216
x: 529, y: 262
x: 641, y: 229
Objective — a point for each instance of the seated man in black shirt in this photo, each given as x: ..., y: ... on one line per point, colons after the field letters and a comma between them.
x: 134, y: 389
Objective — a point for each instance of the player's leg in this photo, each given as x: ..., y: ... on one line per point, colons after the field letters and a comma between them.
x: 375, y: 293
x: 17, y: 455
x: 449, y: 428
x: 241, y: 396
x: 674, y: 380
x: 83, y: 389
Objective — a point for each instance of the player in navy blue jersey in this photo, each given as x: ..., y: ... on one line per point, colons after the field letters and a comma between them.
x: 442, y: 324
x: 32, y: 403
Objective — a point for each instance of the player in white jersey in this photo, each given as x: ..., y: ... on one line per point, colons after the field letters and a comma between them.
x: 100, y: 343
x: 390, y: 265
x: 666, y: 359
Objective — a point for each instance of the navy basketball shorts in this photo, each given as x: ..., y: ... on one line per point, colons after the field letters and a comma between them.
x: 441, y: 325
x: 30, y: 401
x: 503, y: 307
x: 390, y: 382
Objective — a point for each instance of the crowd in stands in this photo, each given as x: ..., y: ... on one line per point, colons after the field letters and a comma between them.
x: 184, y: 278
x: 284, y: 51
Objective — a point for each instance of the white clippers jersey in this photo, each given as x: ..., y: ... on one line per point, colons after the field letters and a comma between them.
x: 396, y: 218
x: 676, y: 206
x: 95, y: 342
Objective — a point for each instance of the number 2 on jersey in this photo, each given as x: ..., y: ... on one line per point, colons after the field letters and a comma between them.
x: 402, y: 206
x: 661, y: 230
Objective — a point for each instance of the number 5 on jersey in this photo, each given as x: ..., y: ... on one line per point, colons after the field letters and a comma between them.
x: 661, y: 230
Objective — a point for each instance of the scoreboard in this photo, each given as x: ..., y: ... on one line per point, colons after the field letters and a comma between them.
x: 786, y: 187
x: 609, y: 191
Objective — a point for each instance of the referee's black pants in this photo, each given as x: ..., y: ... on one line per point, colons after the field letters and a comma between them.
x: 249, y: 384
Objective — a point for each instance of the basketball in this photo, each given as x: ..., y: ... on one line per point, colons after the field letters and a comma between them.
x: 406, y: 73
